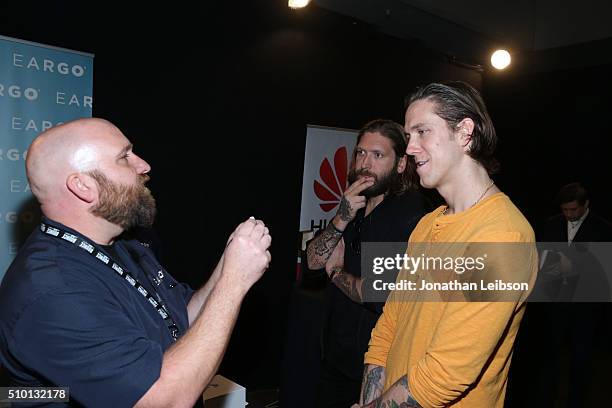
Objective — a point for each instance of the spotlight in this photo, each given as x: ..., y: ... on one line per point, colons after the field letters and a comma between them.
x: 500, y: 59
x: 296, y: 4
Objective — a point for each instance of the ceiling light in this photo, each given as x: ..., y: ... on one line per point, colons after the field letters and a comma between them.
x: 295, y: 4
x: 500, y: 59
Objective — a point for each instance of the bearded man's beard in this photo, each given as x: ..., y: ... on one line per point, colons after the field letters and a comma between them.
x: 381, y: 184
x: 126, y: 206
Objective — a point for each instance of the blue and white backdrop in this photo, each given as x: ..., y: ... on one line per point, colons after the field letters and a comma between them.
x: 40, y: 86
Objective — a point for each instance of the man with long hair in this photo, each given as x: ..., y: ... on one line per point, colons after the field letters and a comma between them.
x: 381, y: 204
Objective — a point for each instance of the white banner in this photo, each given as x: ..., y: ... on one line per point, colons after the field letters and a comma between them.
x: 326, y: 163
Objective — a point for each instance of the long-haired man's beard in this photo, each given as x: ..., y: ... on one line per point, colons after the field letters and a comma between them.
x: 381, y: 185
x: 126, y: 206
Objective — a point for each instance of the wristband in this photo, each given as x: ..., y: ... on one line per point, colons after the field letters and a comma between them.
x: 336, y: 228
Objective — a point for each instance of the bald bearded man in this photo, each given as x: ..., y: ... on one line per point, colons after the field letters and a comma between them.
x: 81, y: 309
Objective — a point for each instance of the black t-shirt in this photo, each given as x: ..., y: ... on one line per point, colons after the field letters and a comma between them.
x: 349, y: 324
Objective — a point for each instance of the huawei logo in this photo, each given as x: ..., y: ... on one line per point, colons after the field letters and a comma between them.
x: 334, y: 180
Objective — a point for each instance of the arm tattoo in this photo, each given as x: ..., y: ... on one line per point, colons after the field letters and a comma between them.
x: 350, y: 285
x: 410, y: 401
x: 372, y: 384
x: 344, y: 212
x: 390, y: 402
x: 321, y: 248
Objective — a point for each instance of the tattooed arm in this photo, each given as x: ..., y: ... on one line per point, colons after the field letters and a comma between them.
x: 397, y: 396
x: 349, y: 285
x: 373, y: 382
x: 320, y: 248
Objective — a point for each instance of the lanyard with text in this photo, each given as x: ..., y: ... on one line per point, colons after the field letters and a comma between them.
x: 108, y: 261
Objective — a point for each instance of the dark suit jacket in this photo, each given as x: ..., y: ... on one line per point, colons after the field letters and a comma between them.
x: 593, y: 229
x: 588, y: 280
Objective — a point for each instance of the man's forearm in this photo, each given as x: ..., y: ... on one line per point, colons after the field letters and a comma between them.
x: 398, y: 395
x: 320, y: 248
x: 372, y: 384
x: 349, y: 284
x: 201, y: 295
x: 189, y: 365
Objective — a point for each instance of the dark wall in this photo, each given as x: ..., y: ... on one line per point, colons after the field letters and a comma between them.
x: 217, y: 100
x: 554, y: 128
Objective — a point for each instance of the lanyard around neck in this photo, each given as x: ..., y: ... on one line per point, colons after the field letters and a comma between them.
x: 107, y: 260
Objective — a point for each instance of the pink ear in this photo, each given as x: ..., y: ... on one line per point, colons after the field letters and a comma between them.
x: 401, y: 165
x: 80, y: 186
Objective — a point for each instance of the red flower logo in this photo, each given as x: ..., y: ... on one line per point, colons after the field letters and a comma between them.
x: 334, y: 180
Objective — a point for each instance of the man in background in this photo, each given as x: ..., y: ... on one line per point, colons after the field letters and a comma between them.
x: 578, y: 312
x: 576, y: 223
